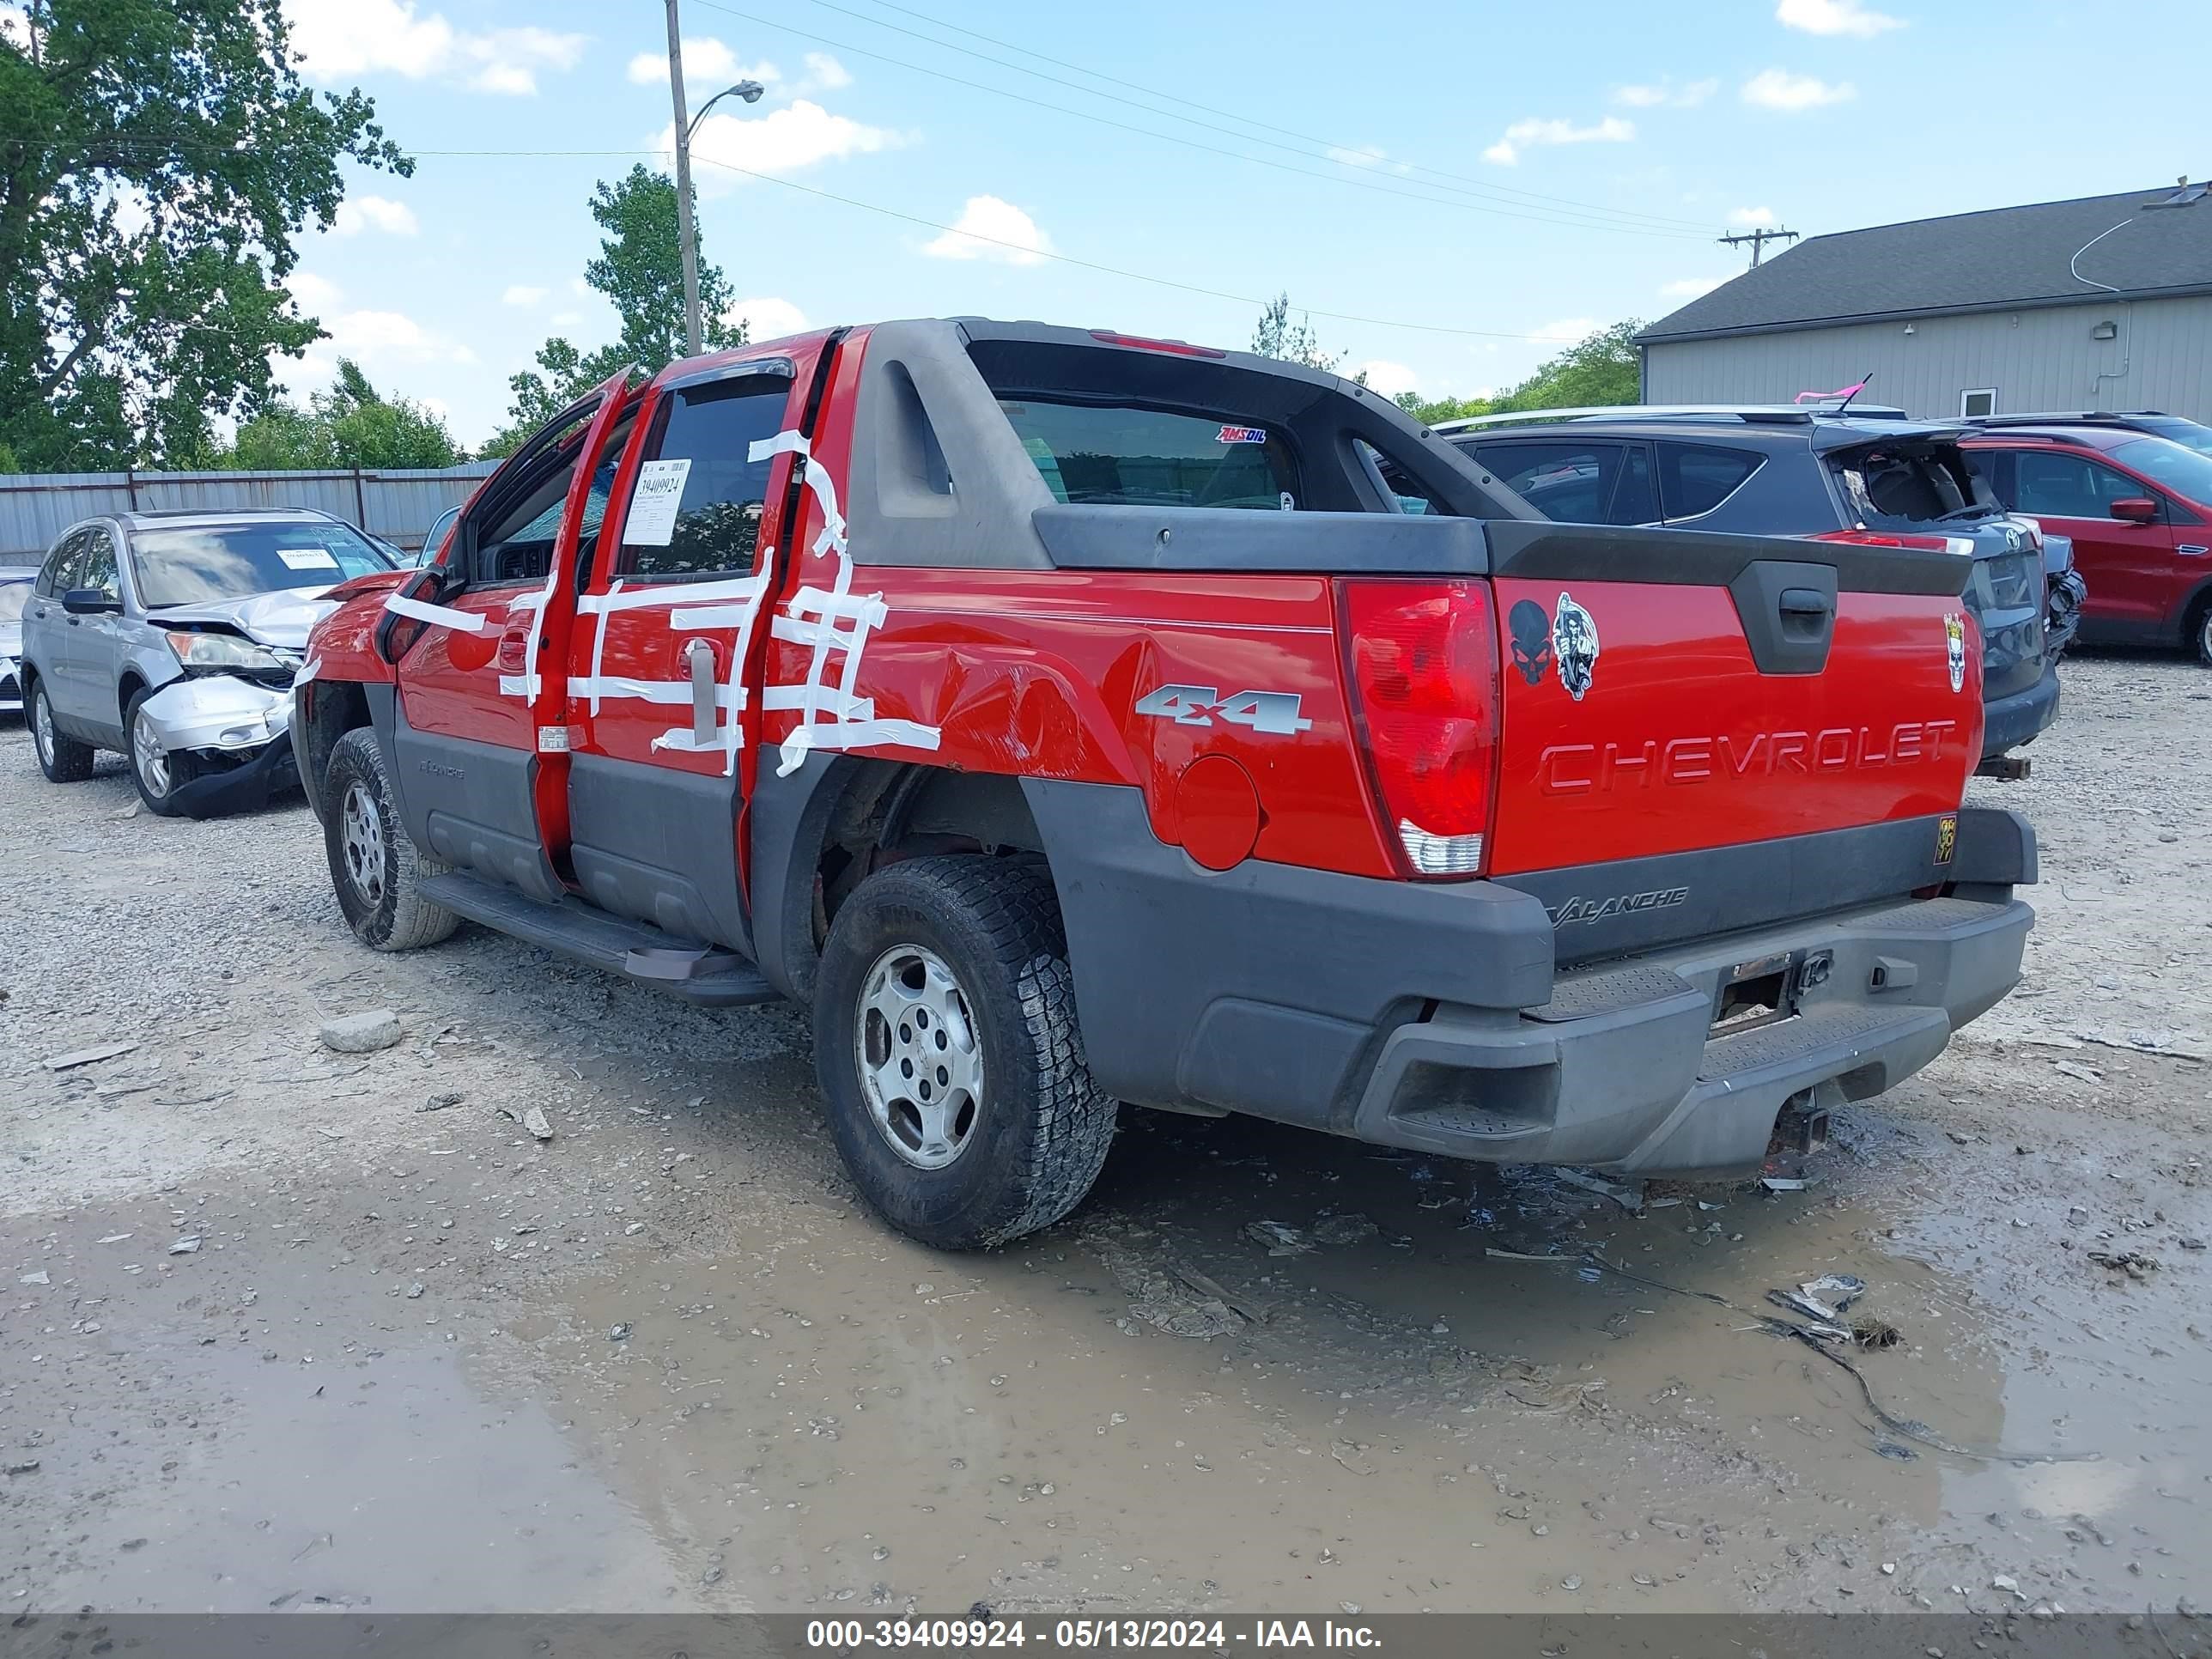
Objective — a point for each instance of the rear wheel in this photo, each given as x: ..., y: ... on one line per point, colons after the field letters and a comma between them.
x: 61, y: 757
x: 158, y: 773
x: 2200, y: 631
x: 946, y: 1041
x: 374, y: 868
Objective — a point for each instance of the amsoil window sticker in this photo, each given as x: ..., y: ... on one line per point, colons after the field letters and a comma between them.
x: 653, y: 504
x: 1275, y: 712
x: 1241, y: 434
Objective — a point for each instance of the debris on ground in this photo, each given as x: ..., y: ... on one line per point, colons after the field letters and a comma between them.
x: 363, y: 1033
x: 29, y: 1465
x: 1628, y: 1194
x: 1874, y: 1335
x: 1784, y: 1183
x: 69, y: 1063
x: 440, y: 1100
x: 2079, y: 1073
x: 1839, y: 1290
x: 618, y: 1334
x: 38, y: 1278
x: 1344, y: 1230
x: 531, y: 1118
x: 185, y: 1246
x: 2133, y: 1263
x: 1825, y: 1323
x: 1279, y: 1237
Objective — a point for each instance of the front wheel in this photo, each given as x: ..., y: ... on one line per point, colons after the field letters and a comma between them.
x: 374, y: 866
x: 158, y: 773
x: 61, y: 757
x: 947, y: 1042
x: 2201, y: 634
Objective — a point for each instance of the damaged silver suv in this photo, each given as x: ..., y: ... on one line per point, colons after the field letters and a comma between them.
x: 173, y: 638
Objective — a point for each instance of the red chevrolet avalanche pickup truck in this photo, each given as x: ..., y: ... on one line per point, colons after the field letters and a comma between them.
x: 1072, y: 720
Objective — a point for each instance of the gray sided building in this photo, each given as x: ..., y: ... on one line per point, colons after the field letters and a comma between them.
x: 2105, y: 302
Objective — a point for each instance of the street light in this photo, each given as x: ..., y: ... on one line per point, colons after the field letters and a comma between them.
x: 686, y: 235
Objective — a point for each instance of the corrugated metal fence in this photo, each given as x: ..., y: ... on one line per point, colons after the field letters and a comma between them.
x: 35, y: 507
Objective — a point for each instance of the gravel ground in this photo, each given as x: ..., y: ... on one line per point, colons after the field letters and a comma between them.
x: 421, y: 1359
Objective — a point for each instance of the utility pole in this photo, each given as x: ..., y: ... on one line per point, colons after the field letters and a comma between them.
x: 684, y: 231
x: 1759, y: 239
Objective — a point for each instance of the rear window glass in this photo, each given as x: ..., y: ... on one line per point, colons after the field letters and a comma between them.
x: 1695, y: 478
x: 1890, y: 488
x: 184, y: 566
x: 1120, y: 454
x: 1577, y: 482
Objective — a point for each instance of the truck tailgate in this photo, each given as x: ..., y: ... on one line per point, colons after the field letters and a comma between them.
x: 1668, y: 693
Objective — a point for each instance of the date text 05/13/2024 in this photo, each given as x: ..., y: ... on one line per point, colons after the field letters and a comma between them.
x: 852, y: 1635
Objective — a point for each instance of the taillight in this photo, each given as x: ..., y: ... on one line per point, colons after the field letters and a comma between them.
x: 1961, y: 545
x: 1421, y: 660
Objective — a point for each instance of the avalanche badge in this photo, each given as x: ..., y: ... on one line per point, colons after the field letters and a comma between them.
x: 1946, y: 837
x: 1955, y: 647
x: 1574, y: 646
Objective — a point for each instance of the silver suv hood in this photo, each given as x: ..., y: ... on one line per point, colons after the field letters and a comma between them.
x: 280, y: 619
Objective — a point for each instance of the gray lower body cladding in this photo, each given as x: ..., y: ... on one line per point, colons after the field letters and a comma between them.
x: 1433, y: 1017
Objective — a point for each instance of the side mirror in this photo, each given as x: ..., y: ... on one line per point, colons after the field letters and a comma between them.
x: 2135, y: 509
x: 91, y: 602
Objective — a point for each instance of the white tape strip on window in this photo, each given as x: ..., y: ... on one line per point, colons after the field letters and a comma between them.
x: 440, y: 615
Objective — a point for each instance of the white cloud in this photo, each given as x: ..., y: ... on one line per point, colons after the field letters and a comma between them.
x: 1665, y: 94
x: 1752, y: 218
x: 708, y: 65
x: 767, y: 319
x: 1524, y: 135
x: 520, y: 294
x: 786, y: 140
x: 989, y: 228
x: 359, y: 213
x: 1690, y: 288
x: 1391, y: 379
x: 1793, y: 95
x: 313, y: 294
x: 566, y: 318
x: 337, y: 40
x: 1834, y: 17
x: 1569, y: 330
x: 375, y: 339
x: 824, y: 74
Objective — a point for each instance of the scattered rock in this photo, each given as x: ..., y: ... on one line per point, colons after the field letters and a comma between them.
x: 29, y: 1467
x: 2133, y: 1263
x: 1344, y: 1230
x: 415, y: 1290
x: 1280, y: 1238
x: 618, y: 1334
x: 185, y: 1246
x: 531, y: 1118
x: 38, y: 1278
x: 362, y: 1034
x: 442, y: 1099
x: 88, y: 1056
x: 2079, y: 1073
x: 1628, y: 1194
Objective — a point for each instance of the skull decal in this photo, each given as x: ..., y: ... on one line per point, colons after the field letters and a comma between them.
x: 1532, y: 640
x: 1574, y: 646
x: 1955, y: 648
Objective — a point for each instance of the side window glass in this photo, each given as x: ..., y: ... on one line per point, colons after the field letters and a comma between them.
x: 2068, y: 486
x: 61, y: 568
x: 1993, y: 467
x: 1567, y: 483
x: 1409, y: 495
x: 697, y: 506
x: 1695, y: 478
x: 1634, y: 500
x: 99, y: 570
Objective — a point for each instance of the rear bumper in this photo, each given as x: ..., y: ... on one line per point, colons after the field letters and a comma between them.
x: 1619, y: 1069
x: 1435, y: 1016
x: 2009, y: 722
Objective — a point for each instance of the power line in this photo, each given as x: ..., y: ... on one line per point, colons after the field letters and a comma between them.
x: 1544, y: 218
x: 1116, y: 271
x: 1471, y: 185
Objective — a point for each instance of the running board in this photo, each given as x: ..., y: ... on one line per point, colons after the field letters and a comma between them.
x: 705, y: 975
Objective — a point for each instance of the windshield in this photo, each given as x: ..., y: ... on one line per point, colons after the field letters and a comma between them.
x: 183, y: 566
x: 12, y: 595
x: 2184, y: 471
x: 2192, y: 434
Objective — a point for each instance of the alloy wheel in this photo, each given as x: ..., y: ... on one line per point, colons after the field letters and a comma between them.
x: 150, y: 757
x: 919, y: 1057
x: 361, y: 832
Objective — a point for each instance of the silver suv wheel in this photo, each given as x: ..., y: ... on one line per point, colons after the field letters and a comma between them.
x: 150, y: 757
x: 361, y: 829
x: 920, y: 1065
x: 42, y: 725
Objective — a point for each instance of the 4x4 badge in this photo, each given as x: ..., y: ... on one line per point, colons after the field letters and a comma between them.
x: 1574, y: 646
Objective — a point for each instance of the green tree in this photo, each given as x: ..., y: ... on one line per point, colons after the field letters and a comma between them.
x: 1601, y: 370
x: 351, y: 424
x: 641, y: 270
x: 1277, y: 336
x: 158, y: 160
x: 1430, y: 410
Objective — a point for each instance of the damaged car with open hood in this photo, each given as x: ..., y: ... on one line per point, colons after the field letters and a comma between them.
x: 172, y: 639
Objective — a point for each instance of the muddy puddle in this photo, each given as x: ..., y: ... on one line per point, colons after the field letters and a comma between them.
x: 1147, y: 1408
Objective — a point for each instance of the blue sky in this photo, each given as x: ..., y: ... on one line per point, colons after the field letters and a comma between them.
x: 1479, y: 183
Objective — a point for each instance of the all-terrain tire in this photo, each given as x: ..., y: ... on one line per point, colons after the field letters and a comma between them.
x: 159, y: 790
x: 1040, y: 1127
x: 61, y: 757
x: 377, y: 871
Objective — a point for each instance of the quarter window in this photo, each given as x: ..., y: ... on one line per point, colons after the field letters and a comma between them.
x: 1585, y: 482
x: 1695, y: 478
x: 697, y: 506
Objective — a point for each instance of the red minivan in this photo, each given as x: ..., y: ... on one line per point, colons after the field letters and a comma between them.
x: 2139, y: 510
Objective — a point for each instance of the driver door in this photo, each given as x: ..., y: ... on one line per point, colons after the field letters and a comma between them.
x: 481, y: 680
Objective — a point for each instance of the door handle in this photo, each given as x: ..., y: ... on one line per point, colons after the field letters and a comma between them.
x: 1803, y: 602
x: 699, y: 664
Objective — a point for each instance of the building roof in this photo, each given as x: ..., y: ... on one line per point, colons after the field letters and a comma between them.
x: 1994, y: 260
